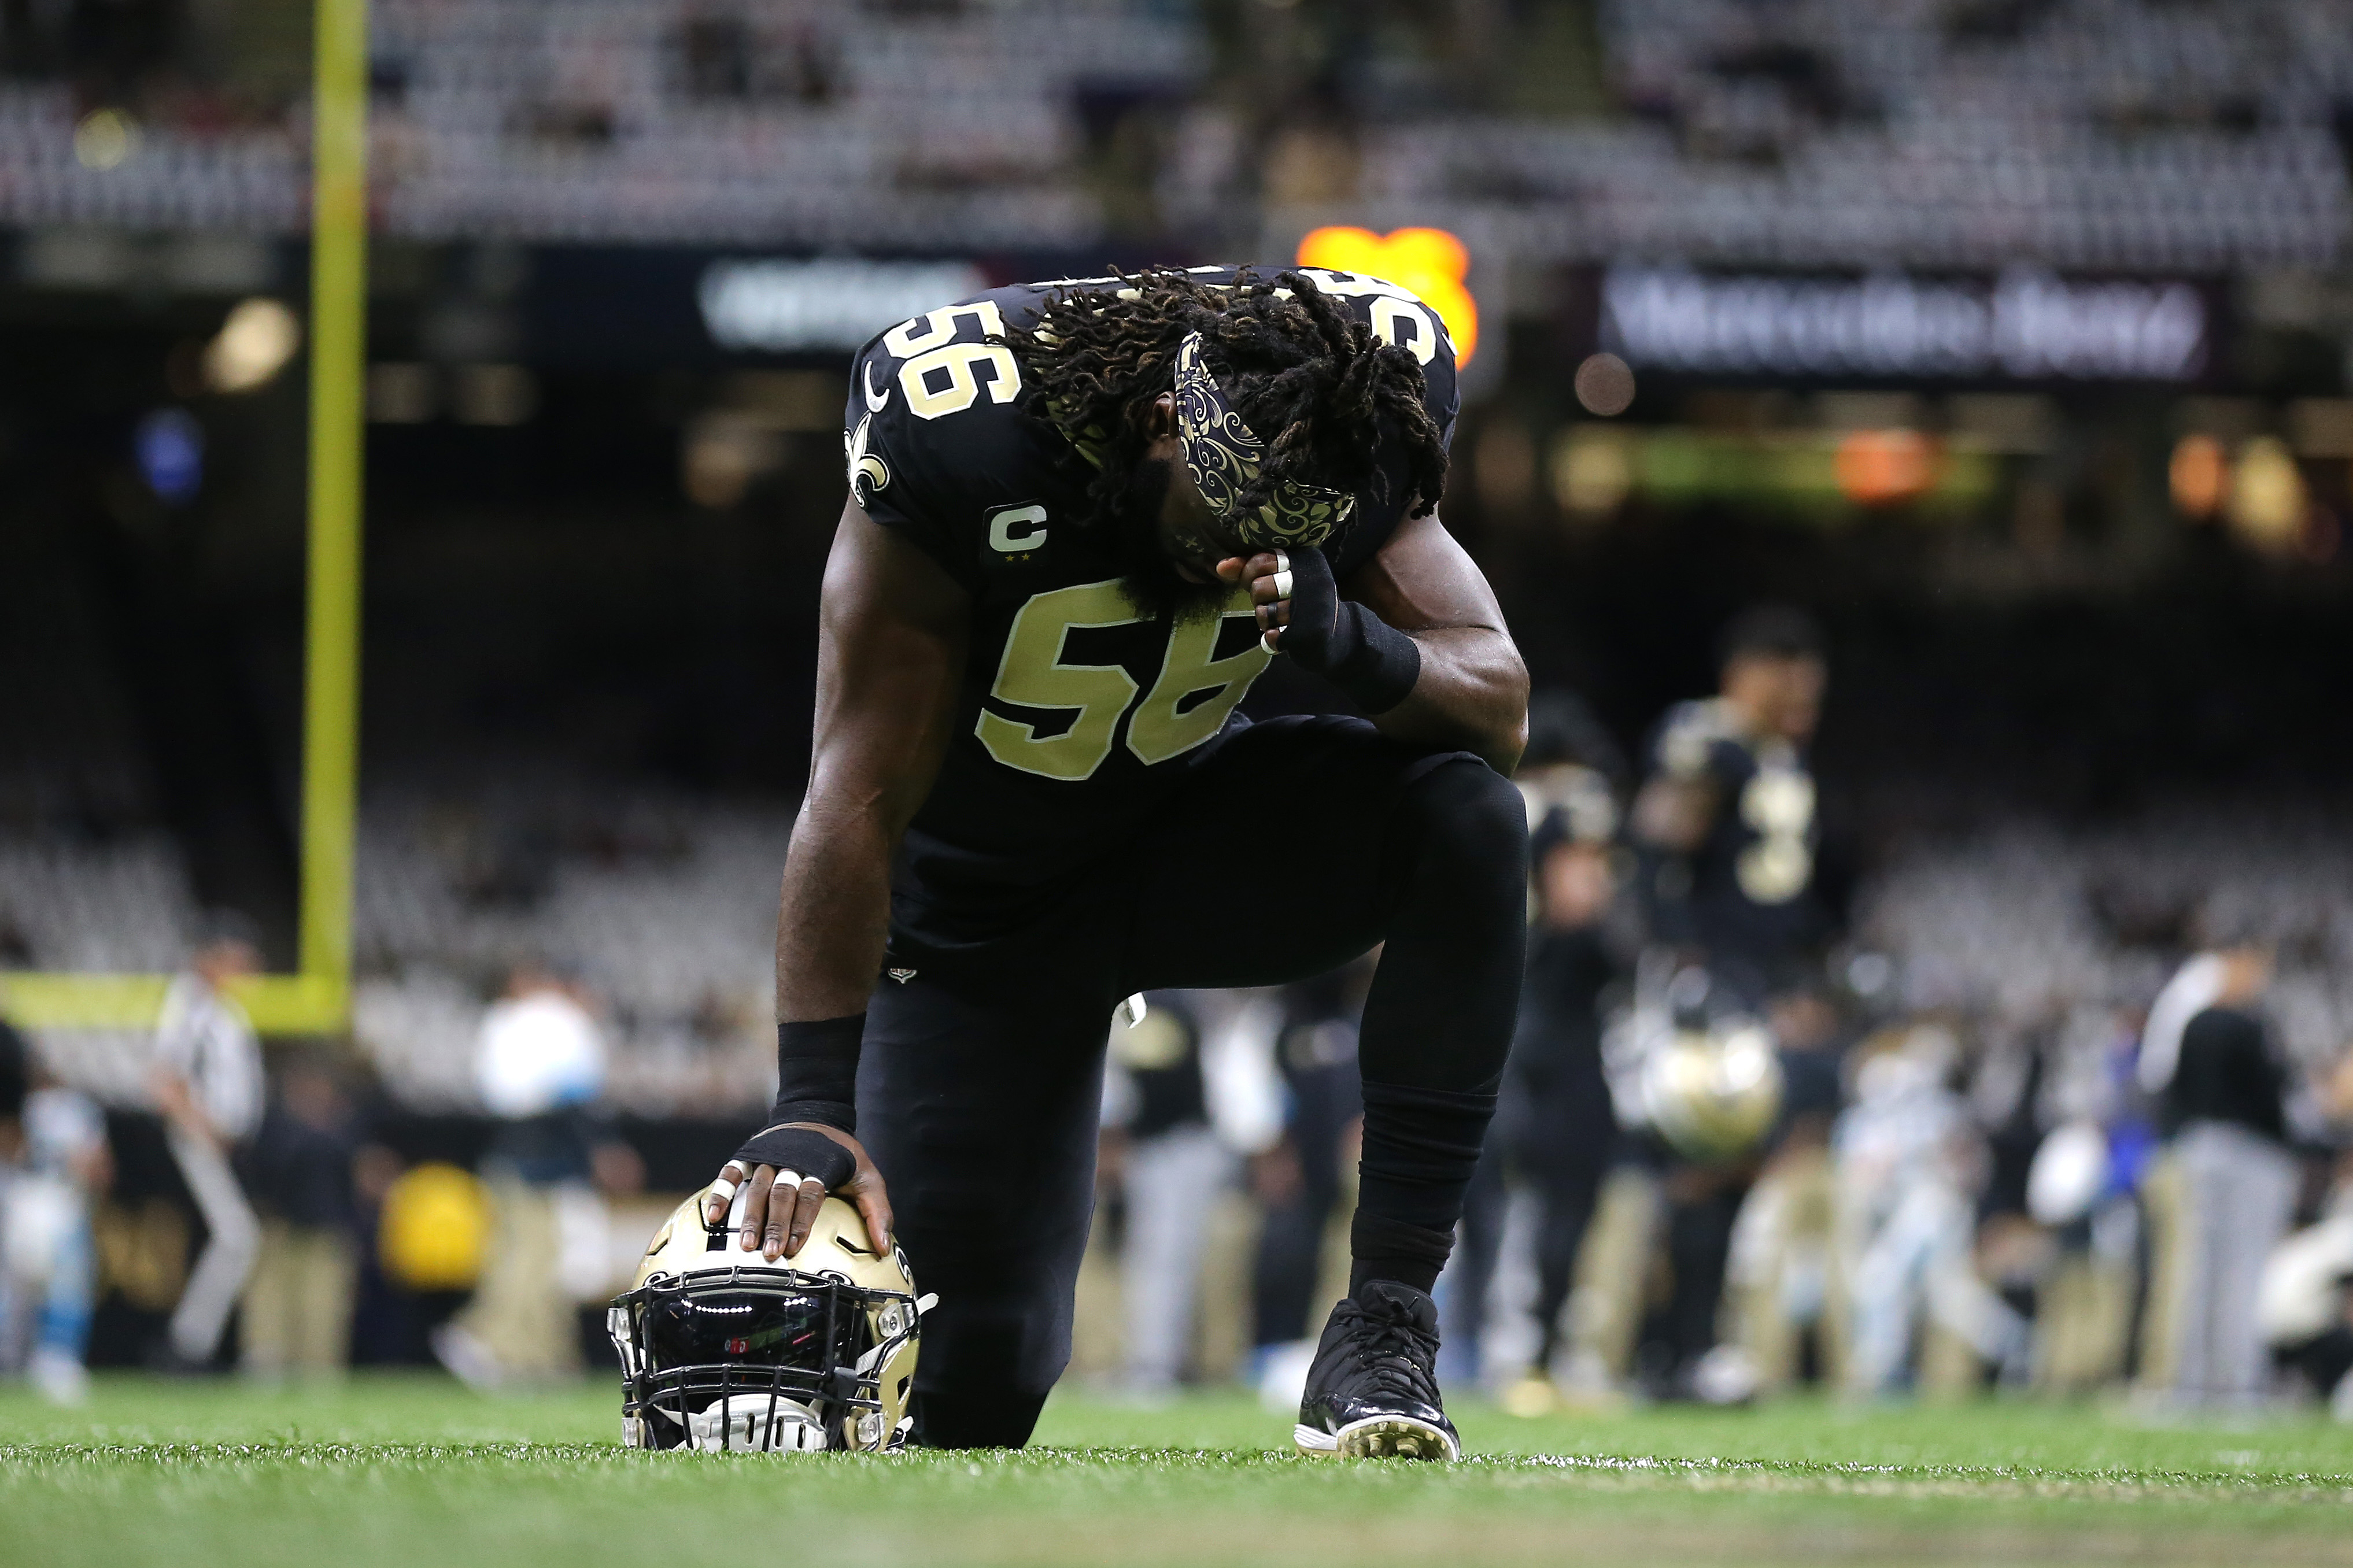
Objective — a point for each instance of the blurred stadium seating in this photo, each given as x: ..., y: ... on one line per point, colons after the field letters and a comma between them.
x: 671, y: 122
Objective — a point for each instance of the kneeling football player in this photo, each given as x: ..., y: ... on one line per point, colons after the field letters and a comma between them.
x: 1083, y: 518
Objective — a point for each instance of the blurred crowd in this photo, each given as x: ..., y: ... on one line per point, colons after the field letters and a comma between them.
x: 1750, y: 1138
x: 2104, y: 133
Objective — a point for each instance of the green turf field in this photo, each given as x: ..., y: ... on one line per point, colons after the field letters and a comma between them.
x: 418, y: 1472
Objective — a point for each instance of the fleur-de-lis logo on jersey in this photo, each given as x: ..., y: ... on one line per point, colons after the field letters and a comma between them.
x: 863, y: 464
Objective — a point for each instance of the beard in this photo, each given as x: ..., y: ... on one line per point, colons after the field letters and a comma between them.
x: 1150, y: 579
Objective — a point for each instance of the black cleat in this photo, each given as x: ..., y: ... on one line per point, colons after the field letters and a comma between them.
x: 1372, y: 1392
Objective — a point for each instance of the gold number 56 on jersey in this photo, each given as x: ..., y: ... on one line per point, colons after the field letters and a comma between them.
x: 1032, y: 673
x: 942, y: 376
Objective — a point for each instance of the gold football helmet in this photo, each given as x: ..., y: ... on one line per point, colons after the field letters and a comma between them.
x: 1713, y: 1093
x: 722, y: 1349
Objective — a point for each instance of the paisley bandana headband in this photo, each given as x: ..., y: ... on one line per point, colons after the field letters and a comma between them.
x: 1223, y: 456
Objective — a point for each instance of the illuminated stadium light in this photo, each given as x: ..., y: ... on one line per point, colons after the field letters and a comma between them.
x: 1881, y: 467
x: 1592, y: 470
x: 1430, y: 262
x: 252, y: 346
x: 105, y: 139
x: 1605, y: 386
x: 169, y: 447
x: 2198, y: 476
x: 2266, y: 502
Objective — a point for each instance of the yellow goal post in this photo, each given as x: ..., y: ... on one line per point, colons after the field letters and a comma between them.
x: 316, y: 998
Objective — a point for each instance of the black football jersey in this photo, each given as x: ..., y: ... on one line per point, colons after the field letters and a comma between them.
x: 1746, y: 893
x: 1079, y: 715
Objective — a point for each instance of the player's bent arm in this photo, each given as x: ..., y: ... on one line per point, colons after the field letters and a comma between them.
x: 890, y: 653
x: 1473, y: 691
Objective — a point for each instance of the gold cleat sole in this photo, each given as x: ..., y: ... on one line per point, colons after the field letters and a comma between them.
x: 1379, y: 1437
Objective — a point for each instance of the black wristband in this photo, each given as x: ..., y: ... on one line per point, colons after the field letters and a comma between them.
x: 1380, y: 672
x: 816, y: 1071
x: 1375, y: 663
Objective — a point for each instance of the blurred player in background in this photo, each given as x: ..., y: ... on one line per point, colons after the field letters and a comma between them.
x: 1554, y: 1129
x: 1084, y: 515
x: 1726, y: 822
x: 207, y: 1083
x: 1727, y: 813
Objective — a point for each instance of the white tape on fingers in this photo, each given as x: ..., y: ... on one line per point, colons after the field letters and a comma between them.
x: 725, y: 1190
x: 786, y: 1179
x: 1282, y: 574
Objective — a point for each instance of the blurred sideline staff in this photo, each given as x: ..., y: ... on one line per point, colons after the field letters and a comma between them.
x: 207, y: 1083
x: 2210, y: 1055
x: 541, y: 1061
x: 1554, y: 1129
x: 54, y: 1160
x: 1726, y: 826
x: 298, y: 1304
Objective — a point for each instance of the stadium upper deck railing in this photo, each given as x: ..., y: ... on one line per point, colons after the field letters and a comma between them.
x: 316, y: 999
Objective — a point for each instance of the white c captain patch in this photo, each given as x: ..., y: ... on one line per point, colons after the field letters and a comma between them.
x: 1029, y: 519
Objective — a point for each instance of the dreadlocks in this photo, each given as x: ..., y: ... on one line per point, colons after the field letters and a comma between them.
x: 1314, y: 384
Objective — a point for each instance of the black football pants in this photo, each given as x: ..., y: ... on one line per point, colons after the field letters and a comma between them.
x: 1299, y: 845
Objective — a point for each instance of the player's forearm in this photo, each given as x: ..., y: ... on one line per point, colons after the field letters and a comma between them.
x: 1471, y: 692
x: 833, y: 920
x: 890, y: 663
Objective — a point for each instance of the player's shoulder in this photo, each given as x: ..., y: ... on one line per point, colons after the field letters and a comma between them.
x: 1396, y: 313
x: 948, y: 361
x: 933, y: 434
x: 1697, y: 739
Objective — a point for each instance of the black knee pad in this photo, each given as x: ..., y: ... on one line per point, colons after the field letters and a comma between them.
x: 1469, y: 813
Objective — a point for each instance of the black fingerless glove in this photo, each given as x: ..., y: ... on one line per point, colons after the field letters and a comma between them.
x: 1354, y: 650
x: 816, y: 1080
x: 803, y: 1149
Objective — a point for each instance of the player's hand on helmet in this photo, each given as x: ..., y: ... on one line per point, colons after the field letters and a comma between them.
x: 792, y: 1166
x: 1297, y: 600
